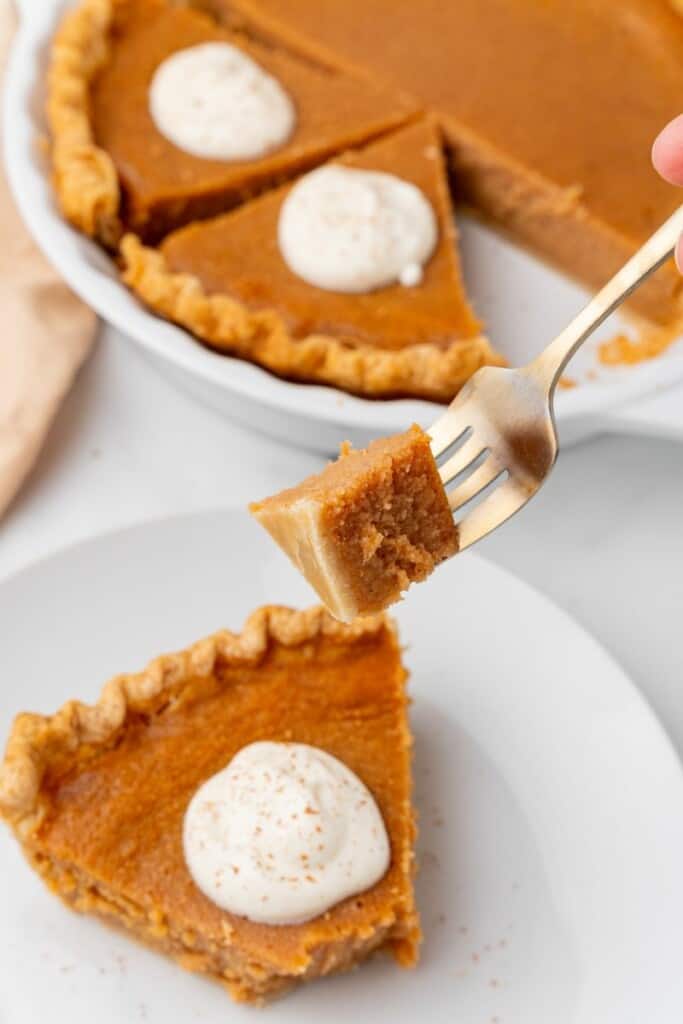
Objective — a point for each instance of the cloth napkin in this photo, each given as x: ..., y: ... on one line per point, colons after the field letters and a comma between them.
x: 45, y: 333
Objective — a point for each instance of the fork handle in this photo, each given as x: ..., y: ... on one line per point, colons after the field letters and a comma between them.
x: 548, y: 366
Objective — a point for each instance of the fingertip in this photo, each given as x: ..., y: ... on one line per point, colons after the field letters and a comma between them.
x: 667, y: 152
x: 679, y: 254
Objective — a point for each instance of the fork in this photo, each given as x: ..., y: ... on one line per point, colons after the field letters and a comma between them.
x: 498, y: 436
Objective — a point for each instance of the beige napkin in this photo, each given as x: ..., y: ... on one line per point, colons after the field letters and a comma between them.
x: 45, y: 333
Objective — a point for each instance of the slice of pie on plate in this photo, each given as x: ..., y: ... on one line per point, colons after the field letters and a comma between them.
x: 367, y: 526
x: 550, y: 109
x: 225, y: 279
x: 96, y: 795
x: 113, y: 167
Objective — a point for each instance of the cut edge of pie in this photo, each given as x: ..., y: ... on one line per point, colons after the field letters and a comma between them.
x: 553, y: 223
x: 75, y: 734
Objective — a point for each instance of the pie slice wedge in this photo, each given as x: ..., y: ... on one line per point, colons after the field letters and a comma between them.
x: 96, y: 795
x: 550, y: 110
x: 226, y: 281
x: 368, y: 526
x: 112, y: 167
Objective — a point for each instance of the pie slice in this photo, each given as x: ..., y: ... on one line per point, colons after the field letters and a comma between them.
x: 225, y: 280
x: 368, y: 526
x: 550, y: 109
x: 112, y: 165
x: 96, y: 795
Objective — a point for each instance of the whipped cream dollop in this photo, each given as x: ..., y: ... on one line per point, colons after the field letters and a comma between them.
x: 283, y: 833
x: 349, y: 230
x: 215, y: 102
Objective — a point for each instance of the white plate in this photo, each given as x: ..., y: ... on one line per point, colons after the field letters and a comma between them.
x: 550, y: 801
x: 523, y: 302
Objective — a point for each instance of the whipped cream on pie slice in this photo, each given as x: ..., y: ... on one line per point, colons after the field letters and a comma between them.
x: 215, y: 102
x: 283, y: 833
x: 350, y: 230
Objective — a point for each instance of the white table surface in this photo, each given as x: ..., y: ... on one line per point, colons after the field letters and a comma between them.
x: 604, y: 538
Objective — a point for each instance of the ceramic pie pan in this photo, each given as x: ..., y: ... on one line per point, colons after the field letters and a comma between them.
x: 523, y: 302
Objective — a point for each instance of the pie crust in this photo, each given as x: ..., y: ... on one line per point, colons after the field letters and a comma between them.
x: 84, y: 176
x: 424, y: 370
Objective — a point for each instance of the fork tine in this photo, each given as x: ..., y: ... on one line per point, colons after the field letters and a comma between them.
x: 489, y: 470
x: 496, y: 509
x: 461, y: 459
x: 449, y: 427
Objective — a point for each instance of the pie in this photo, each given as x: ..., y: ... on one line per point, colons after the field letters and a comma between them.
x: 368, y: 526
x: 547, y: 110
x: 238, y: 296
x: 113, y: 168
x: 96, y: 794
x: 550, y: 109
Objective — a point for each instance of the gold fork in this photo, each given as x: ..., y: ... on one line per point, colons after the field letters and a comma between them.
x: 498, y: 436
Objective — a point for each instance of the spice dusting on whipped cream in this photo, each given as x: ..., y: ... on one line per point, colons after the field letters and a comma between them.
x: 350, y: 230
x: 284, y: 832
x: 215, y: 102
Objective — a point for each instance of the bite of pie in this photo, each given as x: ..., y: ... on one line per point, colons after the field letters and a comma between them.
x: 368, y: 526
x: 96, y: 795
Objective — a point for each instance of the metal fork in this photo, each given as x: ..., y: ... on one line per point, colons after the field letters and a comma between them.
x: 498, y: 436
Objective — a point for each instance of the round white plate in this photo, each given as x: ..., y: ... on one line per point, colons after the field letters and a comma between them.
x: 523, y: 302
x: 550, y: 800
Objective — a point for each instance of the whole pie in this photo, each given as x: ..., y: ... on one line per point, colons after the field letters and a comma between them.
x: 241, y: 297
x: 96, y: 795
